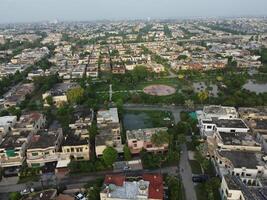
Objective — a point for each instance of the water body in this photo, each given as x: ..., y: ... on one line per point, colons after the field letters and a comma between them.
x: 201, y: 86
x: 255, y: 87
x: 136, y: 121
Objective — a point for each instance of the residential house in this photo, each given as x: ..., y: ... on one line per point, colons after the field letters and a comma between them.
x: 109, y: 129
x: 59, y: 93
x: 31, y: 121
x: 141, y: 139
x: 44, y: 147
x: 13, y: 152
x: 75, y: 148
x: 19, y: 95
x: 147, y: 187
x: 6, y: 123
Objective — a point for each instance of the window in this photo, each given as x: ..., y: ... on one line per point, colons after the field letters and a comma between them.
x: 34, y: 154
x: 135, y: 145
x: 209, y: 127
x: 68, y: 150
x: 72, y: 149
x: 46, y: 153
x: 248, y: 174
x: 232, y: 131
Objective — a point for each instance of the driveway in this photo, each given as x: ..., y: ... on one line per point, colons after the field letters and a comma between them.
x: 186, y: 174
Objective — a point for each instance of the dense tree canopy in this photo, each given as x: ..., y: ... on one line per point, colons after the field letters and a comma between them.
x: 110, y: 155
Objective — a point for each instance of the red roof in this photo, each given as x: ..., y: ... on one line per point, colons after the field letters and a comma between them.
x: 115, y: 179
x: 155, y: 185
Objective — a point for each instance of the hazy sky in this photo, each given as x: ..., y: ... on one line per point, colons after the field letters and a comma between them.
x: 39, y: 10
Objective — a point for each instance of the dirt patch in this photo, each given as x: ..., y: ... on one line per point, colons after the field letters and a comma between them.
x: 159, y: 90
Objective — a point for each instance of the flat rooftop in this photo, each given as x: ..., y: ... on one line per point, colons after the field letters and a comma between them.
x: 74, y: 140
x: 260, y: 124
x: 12, y: 142
x: 251, y: 161
x: 143, y: 134
x: 230, y: 123
x: 109, y: 115
x: 243, y: 139
x: 219, y: 110
x: 61, y: 88
x: 43, y: 140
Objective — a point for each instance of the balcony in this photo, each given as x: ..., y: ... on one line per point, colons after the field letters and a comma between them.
x: 43, y: 158
x: 11, y: 162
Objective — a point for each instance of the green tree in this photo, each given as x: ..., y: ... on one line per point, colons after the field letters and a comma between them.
x: 203, y: 96
x: 127, y: 153
x: 14, y: 196
x: 49, y: 100
x: 175, y: 188
x: 75, y: 95
x: 92, y: 131
x: 110, y: 155
x: 14, y: 111
x: 160, y: 138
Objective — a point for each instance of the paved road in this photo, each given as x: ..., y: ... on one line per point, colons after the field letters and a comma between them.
x: 186, y: 174
x: 176, y: 110
x: 72, y: 182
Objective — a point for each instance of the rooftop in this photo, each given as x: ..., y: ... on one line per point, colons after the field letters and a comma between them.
x: 12, y: 141
x: 44, y: 139
x: 62, y: 88
x: 7, y: 119
x: 252, y: 160
x: 110, y: 115
x: 244, y: 139
x: 143, y: 134
x: 230, y: 123
x: 148, y: 186
x: 219, y: 110
x: 74, y: 140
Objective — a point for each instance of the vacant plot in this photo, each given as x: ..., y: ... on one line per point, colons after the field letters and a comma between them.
x: 159, y: 90
x: 146, y: 119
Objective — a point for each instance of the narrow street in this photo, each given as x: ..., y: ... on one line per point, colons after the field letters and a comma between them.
x: 186, y: 174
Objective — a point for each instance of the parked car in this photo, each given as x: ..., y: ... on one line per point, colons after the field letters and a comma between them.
x: 200, y: 178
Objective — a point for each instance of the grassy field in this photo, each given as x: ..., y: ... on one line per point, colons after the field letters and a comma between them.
x: 148, y: 119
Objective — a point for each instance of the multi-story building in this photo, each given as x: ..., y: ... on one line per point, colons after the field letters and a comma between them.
x: 147, y: 187
x: 141, y: 139
x: 109, y: 129
x: 12, y: 152
x: 44, y: 147
x: 58, y: 93
x: 6, y: 123
x: 75, y: 148
x: 32, y: 121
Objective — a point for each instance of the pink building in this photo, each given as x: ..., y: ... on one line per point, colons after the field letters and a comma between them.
x: 141, y: 139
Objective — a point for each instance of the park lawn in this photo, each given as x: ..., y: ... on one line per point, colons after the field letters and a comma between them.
x: 195, y: 166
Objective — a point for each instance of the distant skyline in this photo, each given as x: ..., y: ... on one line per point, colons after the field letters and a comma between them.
x: 12, y: 11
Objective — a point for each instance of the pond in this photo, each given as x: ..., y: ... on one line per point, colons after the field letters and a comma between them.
x: 201, y: 86
x: 134, y: 121
x: 255, y: 87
